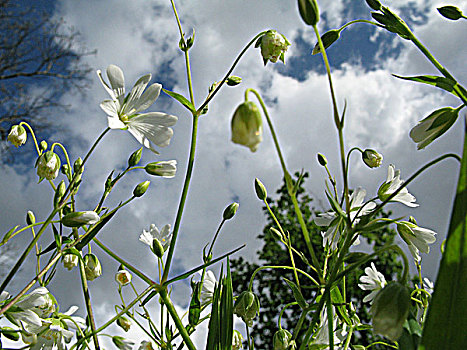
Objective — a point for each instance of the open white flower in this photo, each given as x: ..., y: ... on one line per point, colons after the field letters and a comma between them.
x: 164, y: 236
x: 393, y: 182
x: 123, y: 111
x: 332, y: 221
x: 373, y: 281
x: 209, y: 284
x: 417, y: 238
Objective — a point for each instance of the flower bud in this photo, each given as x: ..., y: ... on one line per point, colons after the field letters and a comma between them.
x: 390, y: 309
x: 124, y: 323
x: 157, y: 248
x: 374, y: 4
x: 247, y: 126
x: 135, y: 157
x: 273, y: 46
x: 328, y: 39
x: 141, y: 189
x: 372, y: 158
x: 92, y: 267
x: 281, y: 340
x: 246, y: 307
x: 80, y: 218
x: 30, y: 218
x: 17, y: 135
x: 450, y: 12
x: 309, y: 11
x: 70, y: 261
x: 165, y: 169
x: 123, y: 277
x: 233, y: 80
x: 260, y: 190
x: 48, y: 166
x: 10, y: 333
x: 322, y: 159
x: 230, y: 211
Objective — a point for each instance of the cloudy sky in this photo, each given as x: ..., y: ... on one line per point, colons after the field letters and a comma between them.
x: 142, y: 36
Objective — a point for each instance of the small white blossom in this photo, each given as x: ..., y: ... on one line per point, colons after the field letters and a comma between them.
x: 393, y: 182
x: 417, y: 238
x: 373, y: 281
x: 209, y: 284
x: 123, y: 111
x: 164, y: 236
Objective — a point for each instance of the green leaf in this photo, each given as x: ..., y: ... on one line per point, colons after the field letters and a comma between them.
x: 446, y: 314
x: 446, y: 84
x: 297, y: 294
x: 182, y: 99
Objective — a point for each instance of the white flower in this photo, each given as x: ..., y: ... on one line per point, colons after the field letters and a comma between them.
x: 164, y: 236
x: 417, y: 238
x: 123, y: 277
x: 122, y: 343
x: 393, y: 182
x: 374, y: 281
x: 123, y: 111
x: 332, y: 221
x: 17, y: 135
x: 209, y: 284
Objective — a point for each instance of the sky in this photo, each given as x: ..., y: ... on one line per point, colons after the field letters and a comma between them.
x: 142, y: 36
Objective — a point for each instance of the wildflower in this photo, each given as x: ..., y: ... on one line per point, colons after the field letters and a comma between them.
x: 92, y: 267
x: 390, y: 310
x: 372, y: 158
x: 165, y: 169
x: 17, y: 135
x: 48, y: 166
x: 417, y: 238
x: 123, y: 111
x: 80, y: 218
x: 332, y: 220
x: 281, y: 339
x: 209, y: 285
x: 393, y: 182
x: 162, y: 237
x: 273, y: 46
x: 123, y: 277
x: 237, y: 340
x: 247, y: 307
x: 247, y: 126
x: 122, y: 343
x: 373, y: 281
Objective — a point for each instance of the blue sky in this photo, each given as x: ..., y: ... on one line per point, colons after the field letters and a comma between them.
x: 141, y: 37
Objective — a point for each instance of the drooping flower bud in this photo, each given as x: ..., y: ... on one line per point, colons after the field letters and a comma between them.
x: 123, y: 277
x: 141, y: 188
x: 450, y: 12
x: 230, y: 211
x: 80, y: 218
x: 309, y: 11
x: 282, y: 339
x: 247, y: 126
x: 135, y: 157
x: 48, y: 166
x: 260, y: 190
x: 92, y: 267
x: 247, y: 307
x: 70, y: 261
x: 273, y: 46
x: 124, y: 323
x: 17, y: 135
x: 165, y: 169
x: 372, y: 158
x: 390, y: 309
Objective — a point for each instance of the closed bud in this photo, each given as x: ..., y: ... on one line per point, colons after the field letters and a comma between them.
x: 260, y: 190
x: 374, y: 4
x: 124, y: 323
x: 309, y: 11
x: 230, y: 211
x: 372, y: 158
x: 233, y: 80
x: 135, y: 157
x: 92, y: 267
x: 247, y: 126
x: 322, y: 160
x: 80, y: 218
x: 157, y: 248
x: 17, y: 135
x: 282, y: 340
x: 10, y: 333
x: 166, y: 169
x: 328, y: 39
x: 59, y: 192
x: 450, y: 12
x: 141, y: 189
x: 48, y: 166
x: 247, y: 307
x: 389, y: 310
x: 30, y: 218
x: 123, y: 277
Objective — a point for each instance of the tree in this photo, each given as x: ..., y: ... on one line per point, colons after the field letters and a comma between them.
x: 270, y: 286
x: 35, y: 50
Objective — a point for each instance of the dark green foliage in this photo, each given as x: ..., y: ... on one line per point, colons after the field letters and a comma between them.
x: 270, y: 286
